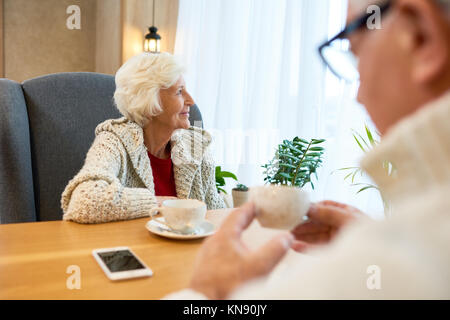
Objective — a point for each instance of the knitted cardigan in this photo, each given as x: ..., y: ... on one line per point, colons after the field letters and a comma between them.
x: 116, y: 181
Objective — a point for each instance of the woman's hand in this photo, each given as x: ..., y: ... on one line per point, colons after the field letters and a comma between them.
x: 224, y: 262
x: 326, y: 219
x: 161, y: 199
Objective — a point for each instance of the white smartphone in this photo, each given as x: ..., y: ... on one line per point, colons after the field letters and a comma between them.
x: 121, y: 263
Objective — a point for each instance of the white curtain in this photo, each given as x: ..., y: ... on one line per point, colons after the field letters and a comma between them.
x: 254, y: 71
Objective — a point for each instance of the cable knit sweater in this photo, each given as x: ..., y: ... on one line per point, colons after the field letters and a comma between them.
x: 116, y: 181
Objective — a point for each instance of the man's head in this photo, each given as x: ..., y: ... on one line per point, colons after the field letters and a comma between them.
x: 406, y: 64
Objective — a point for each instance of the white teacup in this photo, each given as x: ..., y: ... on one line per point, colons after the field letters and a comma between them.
x: 183, y: 215
x: 279, y: 207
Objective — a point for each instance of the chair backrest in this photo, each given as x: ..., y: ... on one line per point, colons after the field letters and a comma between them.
x: 63, y: 111
x: 16, y: 177
x: 195, y: 117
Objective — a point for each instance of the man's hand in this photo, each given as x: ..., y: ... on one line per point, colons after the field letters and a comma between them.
x: 224, y: 262
x: 326, y: 219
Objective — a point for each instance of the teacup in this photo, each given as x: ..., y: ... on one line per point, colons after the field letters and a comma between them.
x: 279, y: 207
x: 182, y: 215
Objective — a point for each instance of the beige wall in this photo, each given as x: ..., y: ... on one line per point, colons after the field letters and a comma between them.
x: 37, y: 41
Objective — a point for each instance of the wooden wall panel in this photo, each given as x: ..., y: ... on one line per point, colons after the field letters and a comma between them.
x: 137, y: 17
x: 108, y: 53
x: 166, y: 20
x: 1, y: 39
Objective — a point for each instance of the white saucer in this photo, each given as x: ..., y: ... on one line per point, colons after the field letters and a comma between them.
x: 204, y: 230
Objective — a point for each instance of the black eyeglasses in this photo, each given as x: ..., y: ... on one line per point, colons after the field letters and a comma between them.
x: 336, y: 53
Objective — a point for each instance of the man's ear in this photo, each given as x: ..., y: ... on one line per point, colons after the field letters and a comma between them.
x: 427, y: 40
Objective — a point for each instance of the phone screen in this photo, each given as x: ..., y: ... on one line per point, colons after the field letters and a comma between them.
x: 122, y: 260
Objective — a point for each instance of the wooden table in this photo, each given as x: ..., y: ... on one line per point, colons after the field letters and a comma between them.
x: 34, y: 258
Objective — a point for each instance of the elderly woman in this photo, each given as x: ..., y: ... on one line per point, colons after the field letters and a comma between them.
x: 137, y: 160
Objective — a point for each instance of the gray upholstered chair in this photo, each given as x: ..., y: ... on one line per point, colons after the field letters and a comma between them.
x: 16, y: 176
x: 63, y: 111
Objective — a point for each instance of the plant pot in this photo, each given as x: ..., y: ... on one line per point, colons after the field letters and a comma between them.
x: 227, y: 199
x: 239, y: 197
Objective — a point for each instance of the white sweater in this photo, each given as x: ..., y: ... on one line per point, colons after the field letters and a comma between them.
x: 116, y: 181
x: 404, y: 257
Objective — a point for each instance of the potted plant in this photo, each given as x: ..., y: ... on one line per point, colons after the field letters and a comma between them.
x: 220, y: 183
x: 240, y: 195
x: 294, y: 163
x: 366, y: 145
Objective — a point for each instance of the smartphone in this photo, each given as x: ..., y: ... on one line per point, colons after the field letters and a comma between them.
x: 121, y: 263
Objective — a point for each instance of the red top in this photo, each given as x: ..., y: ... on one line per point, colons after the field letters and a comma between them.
x: 163, y: 176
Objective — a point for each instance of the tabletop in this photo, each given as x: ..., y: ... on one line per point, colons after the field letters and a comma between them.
x: 37, y: 259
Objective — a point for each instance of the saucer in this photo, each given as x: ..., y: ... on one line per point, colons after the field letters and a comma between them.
x: 205, y: 229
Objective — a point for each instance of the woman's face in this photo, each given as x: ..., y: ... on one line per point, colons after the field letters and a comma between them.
x: 175, y: 102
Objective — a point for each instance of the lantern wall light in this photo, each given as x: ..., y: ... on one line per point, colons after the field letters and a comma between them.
x: 152, y: 41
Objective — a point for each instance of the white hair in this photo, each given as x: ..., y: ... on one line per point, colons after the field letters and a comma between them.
x: 139, y: 81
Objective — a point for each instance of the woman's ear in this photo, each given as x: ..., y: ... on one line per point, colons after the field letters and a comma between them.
x: 428, y: 39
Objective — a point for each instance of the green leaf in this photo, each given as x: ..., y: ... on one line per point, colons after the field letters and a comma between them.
x: 313, y: 160
x: 363, y: 140
x: 365, y: 188
x: 298, y: 143
x: 314, y: 154
x: 317, y: 141
x: 295, y: 149
x: 287, y: 165
x: 349, y: 168
x: 359, y: 144
x: 316, y: 149
x: 301, y: 176
x: 346, y: 177
x: 303, y: 141
x: 353, y: 175
x: 223, y: 190
x: 369, y: 135
x: 227, y: 174
x: 285, y: 175
x: 220, y: 181
x: 288, y: 156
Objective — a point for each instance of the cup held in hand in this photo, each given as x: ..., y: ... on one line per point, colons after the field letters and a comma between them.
x: 279, y: 207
